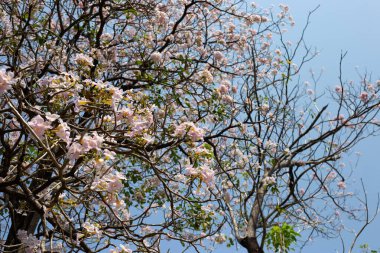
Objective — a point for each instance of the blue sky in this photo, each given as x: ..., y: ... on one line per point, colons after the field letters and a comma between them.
x: 352, y: 26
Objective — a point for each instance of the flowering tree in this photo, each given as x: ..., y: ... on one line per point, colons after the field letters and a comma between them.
x: 128, y: 124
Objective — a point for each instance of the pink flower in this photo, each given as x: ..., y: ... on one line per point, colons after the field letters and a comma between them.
x: 310, y: 92
x: 206, y: 76
x: 117, y: 95
x: 125, y: 249
x: 223, y: 89
x: 51, y: 117
x: 189, y: 129
x: 39, y: 126
x: 75, y: 150
x: 156, y: 57
x: 226, y: 83
x: 125, y: 113
x: 205, y: 174
x: 331, y: 175
x: 342, y: 185
x: 370, y: 87
x: 161, y: 17
x: 363, y: 96
x: 284, y: 7
x: 106, y: 37
x: 84, y: 60
x: 340, y: 117
x: 220, y: 238
x: 264, y: 109
x: 92, y: 229
x: 191, y: 171
x: 92, y: 142
x: 208, y: 176
x: 29, y: 241
x: 114, y: 185
x: 269, y: 180
x: 63, y: 132
x: 5, y: 81
x: 338, y: 89
x: 227, y: 99
x: 218, y: 56
x: 118, y: 203
x: 99, y: 184
x: 110, y: 183
x: 109, y: 155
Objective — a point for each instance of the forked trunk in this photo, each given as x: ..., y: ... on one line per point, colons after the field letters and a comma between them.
x: 250, y: 243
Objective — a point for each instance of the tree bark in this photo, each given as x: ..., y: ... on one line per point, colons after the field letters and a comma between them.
x: 20, y: 222
x: 251, y: 244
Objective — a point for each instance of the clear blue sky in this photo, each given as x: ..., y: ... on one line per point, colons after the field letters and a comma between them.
x: 353, y: 26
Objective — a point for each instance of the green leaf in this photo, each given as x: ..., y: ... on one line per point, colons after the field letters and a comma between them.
x: 281, y: 238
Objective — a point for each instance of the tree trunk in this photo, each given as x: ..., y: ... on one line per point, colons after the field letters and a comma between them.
x: 28, y: 219
x: 250, y: 243
x: 20, y: 222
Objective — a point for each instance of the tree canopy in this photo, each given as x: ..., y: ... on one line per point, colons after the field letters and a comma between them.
x: 131, y: 125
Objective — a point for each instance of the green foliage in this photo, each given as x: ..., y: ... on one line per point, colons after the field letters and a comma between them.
x: 366, y: 249
x: 230, y: 242
x: 281, y: 238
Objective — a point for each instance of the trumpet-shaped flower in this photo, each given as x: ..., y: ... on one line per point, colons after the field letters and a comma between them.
x: 39, y: 126
x: 189, y: 129
x: 5, y: 81
x: 84, y: 60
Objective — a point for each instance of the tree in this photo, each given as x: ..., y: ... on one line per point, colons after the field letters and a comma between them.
x: 127, y: 124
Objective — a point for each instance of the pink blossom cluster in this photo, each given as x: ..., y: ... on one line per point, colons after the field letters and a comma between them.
x: 63, y: 132
x: 341, y: 185
x: 92, y: 229
x: 220, y: 238
x: 110, y: 182
x: 224, y: 87
x: 39, y: 126
x: 204, y: 173
x: 86, y: 143
x: 269, y: 180
x: 190, y: 130
x: 5, y: 81
x: 84, y: 60
x: 363, y: 96
x: 29, y: 241
x: 271, y: 146
x: 206, y: 76
x: 156, y: 57
x: 121, y: 249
